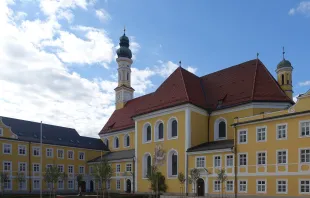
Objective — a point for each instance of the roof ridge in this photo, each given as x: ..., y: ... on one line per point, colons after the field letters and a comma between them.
x: 183, y: 80
x: 254, y: 81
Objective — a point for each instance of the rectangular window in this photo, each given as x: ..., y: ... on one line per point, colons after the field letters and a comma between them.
x: 200, y: 162
x: 70, y: 155
x: 70, y: 169
x: 21, y: 150
x: 81, y: 155
x: 61, y: 168
x: 49, y: 166
x: 243, y: 186
x: 230, y: 186
x: 305, y: 129
x: 242, y: 159
x: 36, y: 167
x: 60, y: 184
x: 7, y: 185
x: 36, y: 184
x: 49, y: 152
x: 261, y: 133
x: 60, y: 153
x: 118, y: 168
x: 261, y: 186
x: 304, y: 155
x: 70, y: 184
x: 282, y: 157
x: 229, y: 160
x: 22, y: 185
x: 217, y: 161
x: 243, y: 137
x: 118, y: 184
x: 261, y: 158
x: 81, y: 169
x: 304, y: 186
x: 7, y: 166
x: 108, y: 185
x: 36, y: 151
x: 22, y: 167
x: 282, y: 186
x: 216, y: 186
x: 281, y: 131
x: 7, y: 148
x: 128, y: 167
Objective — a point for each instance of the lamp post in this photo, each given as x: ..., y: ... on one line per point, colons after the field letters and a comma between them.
x: 133, y: 174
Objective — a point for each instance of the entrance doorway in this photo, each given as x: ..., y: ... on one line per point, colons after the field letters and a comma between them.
x: 91, y: 186
x: 128, y: 186
x: 200, y: 187
x: 83, y: 186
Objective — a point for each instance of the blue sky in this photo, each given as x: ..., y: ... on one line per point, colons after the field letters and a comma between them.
x: 59, y: 56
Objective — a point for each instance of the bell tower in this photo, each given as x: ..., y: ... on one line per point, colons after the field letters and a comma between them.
x: 284, y: 73
x: 124, y: 91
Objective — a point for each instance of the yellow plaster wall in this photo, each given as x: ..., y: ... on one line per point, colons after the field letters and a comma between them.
x: 121, y: 141
x: 199, y: 128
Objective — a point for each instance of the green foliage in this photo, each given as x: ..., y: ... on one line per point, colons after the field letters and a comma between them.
x: 193, y: 175
x: 52, y: 174
x: 181, y: 178
x: 103, y: 171
x: 20, y: 177
x: 221, y: 175
x: 157, y: 180
x: 79, y: 179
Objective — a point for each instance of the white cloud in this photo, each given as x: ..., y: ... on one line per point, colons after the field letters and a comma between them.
x: 166, y: 68
x: 134, y: 46
x: 141, y: 79
x: 103, y: 15
x: 302, y: 8
x: 305, y: 83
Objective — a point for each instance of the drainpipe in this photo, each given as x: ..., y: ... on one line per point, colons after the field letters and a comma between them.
x: 236, y: 161
x: 29, y: 166
x: 133, y: 175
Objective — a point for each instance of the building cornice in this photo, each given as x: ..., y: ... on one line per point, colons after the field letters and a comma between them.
x: 112, y: 134
x: 210, y: 151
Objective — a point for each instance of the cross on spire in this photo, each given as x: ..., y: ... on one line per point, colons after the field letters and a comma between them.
x: 124, y: 30
x: 283, y: 53
x: 257, y: 54
x: 180, y: 63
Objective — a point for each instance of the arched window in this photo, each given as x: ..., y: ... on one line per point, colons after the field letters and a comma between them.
x: 147, y: 133
x: 172, y: 128
x: 106, y: 142
x: 220, y: 129
x: 287, y: 79
x: 172, y: 163
x: 116, y: 142
x: 127, y: 76
x: 126, y: 140
x: 147, y: 164
x: 159, y: 131
x: 282, y: 79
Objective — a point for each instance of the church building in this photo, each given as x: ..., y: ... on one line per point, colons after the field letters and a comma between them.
x: 240, y: 119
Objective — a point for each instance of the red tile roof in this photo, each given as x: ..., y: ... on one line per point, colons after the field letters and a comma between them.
x: 243, y: 83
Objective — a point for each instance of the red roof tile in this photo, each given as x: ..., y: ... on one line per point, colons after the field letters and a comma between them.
x: 243, y: 83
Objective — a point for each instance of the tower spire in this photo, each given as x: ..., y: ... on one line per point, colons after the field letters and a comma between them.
x: 283, y: 52
x: 180, y: 63
x: 124, y: 29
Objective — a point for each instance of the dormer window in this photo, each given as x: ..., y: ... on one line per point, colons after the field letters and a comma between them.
x: 126, y: 140
x: 106, y: 142
x: 220, y: 129
x: 116, y: 142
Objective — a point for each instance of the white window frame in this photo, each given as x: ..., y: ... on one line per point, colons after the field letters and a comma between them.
x: 33, y: 184
x: 68, y: 185
x: 63, y: 154
x: 277, y: 154
x: 219, y: 185
x: 83, y: 169
x: 156, y: 131
x: 10, y: 145
x: 144, y: 133
x: 144, y: 164
x: 169, y: 163
x: 19, y: 166
x: 80, y: 152
x: 277, y: 131
x: 127, y: 166
x: 217, y: 129
x: 246, y: 136
x: 300, y: 128
x: 9, y: 182
x: 233, y: 186
x: 23, y: 184
x: 52, y: 152
x: 33, y: 167
x: 300, y: 149
x: 169, y: 129
x: 233, y: 161
x: 70, y: 165
x: 25, y: 149
x: 246, y: 186
x: 118, y: 187
x: 204, y: 161
x: 34, y: 148
x: 257, y: 160
x: 114, y: 142
x: 266, y: 133
x: 247, y: 159
x: 299, y: 186
x: 214, y: 156
x: 108, y: 184
x: 265, y: 185
x: 63, y: 185
x: 286, y: 186
x: 118, y: 168
x: 8, y: 171
x: 62, y: 167
x: 106, y: 140
x: 69, y: 155
x: 125, y: 141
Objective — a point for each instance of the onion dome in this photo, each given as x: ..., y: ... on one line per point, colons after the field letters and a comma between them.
x: 284, y: 63
x: 124, y: 50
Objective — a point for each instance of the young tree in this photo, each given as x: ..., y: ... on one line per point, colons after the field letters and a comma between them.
x: 20, y: 178
x: 193, y: 177
x: 3, y: 177
x: 157, y: 180
x: 103, y: 172
x: 79, y: 180
x: 222, y: 177
x: 52, y: 176
x: 181, y: 178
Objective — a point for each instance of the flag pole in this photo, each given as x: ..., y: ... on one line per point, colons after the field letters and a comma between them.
x: 41, y: 152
